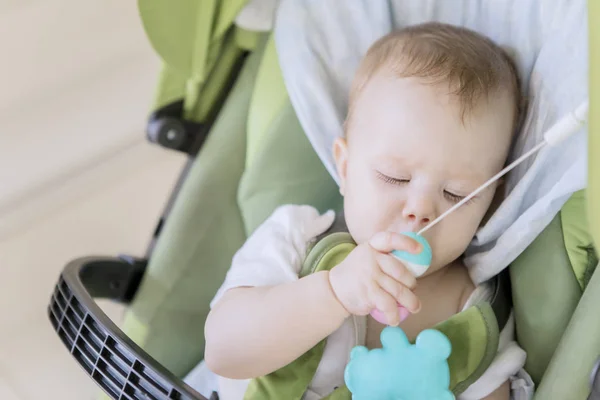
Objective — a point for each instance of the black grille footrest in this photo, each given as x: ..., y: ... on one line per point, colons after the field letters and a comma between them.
x: 113, y: 361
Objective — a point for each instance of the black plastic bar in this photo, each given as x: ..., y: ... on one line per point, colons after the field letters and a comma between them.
x: 119, y: 366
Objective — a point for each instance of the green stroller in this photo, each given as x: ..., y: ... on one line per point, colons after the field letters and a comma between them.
x: 224, y: 99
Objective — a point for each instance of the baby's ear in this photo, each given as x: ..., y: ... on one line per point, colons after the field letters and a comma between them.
x: 340, y: 155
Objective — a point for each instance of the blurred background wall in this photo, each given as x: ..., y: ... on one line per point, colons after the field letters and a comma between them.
x: 76, y: 174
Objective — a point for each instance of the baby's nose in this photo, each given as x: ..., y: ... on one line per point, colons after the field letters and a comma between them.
x: 418, y: 219
x: 418, y: 213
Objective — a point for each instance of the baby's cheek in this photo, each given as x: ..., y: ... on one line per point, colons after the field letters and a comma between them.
x: 365, y: 214
x: 356, y: 220
x: 454, y: 243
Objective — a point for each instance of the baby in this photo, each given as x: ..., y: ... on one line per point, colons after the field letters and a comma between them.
x: 432, y: 113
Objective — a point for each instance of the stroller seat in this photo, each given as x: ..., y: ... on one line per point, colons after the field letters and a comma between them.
x: 225, y: 99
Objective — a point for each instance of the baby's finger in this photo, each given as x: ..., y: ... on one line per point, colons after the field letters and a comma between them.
x: 386, y: 242
x: 403, y: 295
x: 393, y: 267
x: 387, y: 305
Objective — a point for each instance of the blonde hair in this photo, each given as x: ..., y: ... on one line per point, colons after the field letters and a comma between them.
x: 472, y: 65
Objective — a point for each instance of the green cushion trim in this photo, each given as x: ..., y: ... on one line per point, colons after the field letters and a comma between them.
x: 286, y: 170
x: 545, y: 294
x: 341, y: 393
x: 179, y: 31
x: 196, y: 41
x: 591, y: 265
x: 474, y: 336
x: 170, y: 88
x: 269, y: 99
x: 191, y: 258
x: 248, y: 40
x: 184, y: 32
x: 593, y: 134
x: 289, y: 382
x: 577, y: 238
x: 331, y: 250
x: 228, y: 11
x: 568, y: 374
x: 201, y: 97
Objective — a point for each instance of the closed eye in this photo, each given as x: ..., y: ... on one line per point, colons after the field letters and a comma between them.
x: 393, y: 181
x: 455, y: 198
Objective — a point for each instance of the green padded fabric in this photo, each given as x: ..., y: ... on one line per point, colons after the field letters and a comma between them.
x: 199, y: 47
x: 171, y: 87
x: 474, y: 335
x: 267, y: 102
x: 545, y: 294
x: 198, y: 241
x: 565, y: 376
x: 568, y: 374
x: 248, y: 40
x: 578, y: 241
x: 593, y: 189
x: 286, y: 171
x: 201, y: 97
x: 185, y: 32
x: 327, y: 251
x: 284, y: 168
x: 289, y: 382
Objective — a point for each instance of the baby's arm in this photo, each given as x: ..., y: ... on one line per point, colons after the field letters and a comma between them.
x: 264, y: 316
x: 254, y: 331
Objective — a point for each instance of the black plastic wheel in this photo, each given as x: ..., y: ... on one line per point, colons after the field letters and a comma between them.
x: 168, y: 132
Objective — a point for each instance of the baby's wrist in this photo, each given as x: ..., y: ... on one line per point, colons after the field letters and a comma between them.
x: 337, y: 302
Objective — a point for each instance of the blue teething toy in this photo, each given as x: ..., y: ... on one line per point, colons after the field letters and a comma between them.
x: 400, y: 370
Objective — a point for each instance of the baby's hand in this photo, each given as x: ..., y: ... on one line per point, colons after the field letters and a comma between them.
x: 370, y: 277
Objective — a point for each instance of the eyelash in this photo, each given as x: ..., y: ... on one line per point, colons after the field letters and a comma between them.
x: 389, y: 179
x: 454, y: 198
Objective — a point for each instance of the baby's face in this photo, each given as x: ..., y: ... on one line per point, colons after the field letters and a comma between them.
x: 409, y: 157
